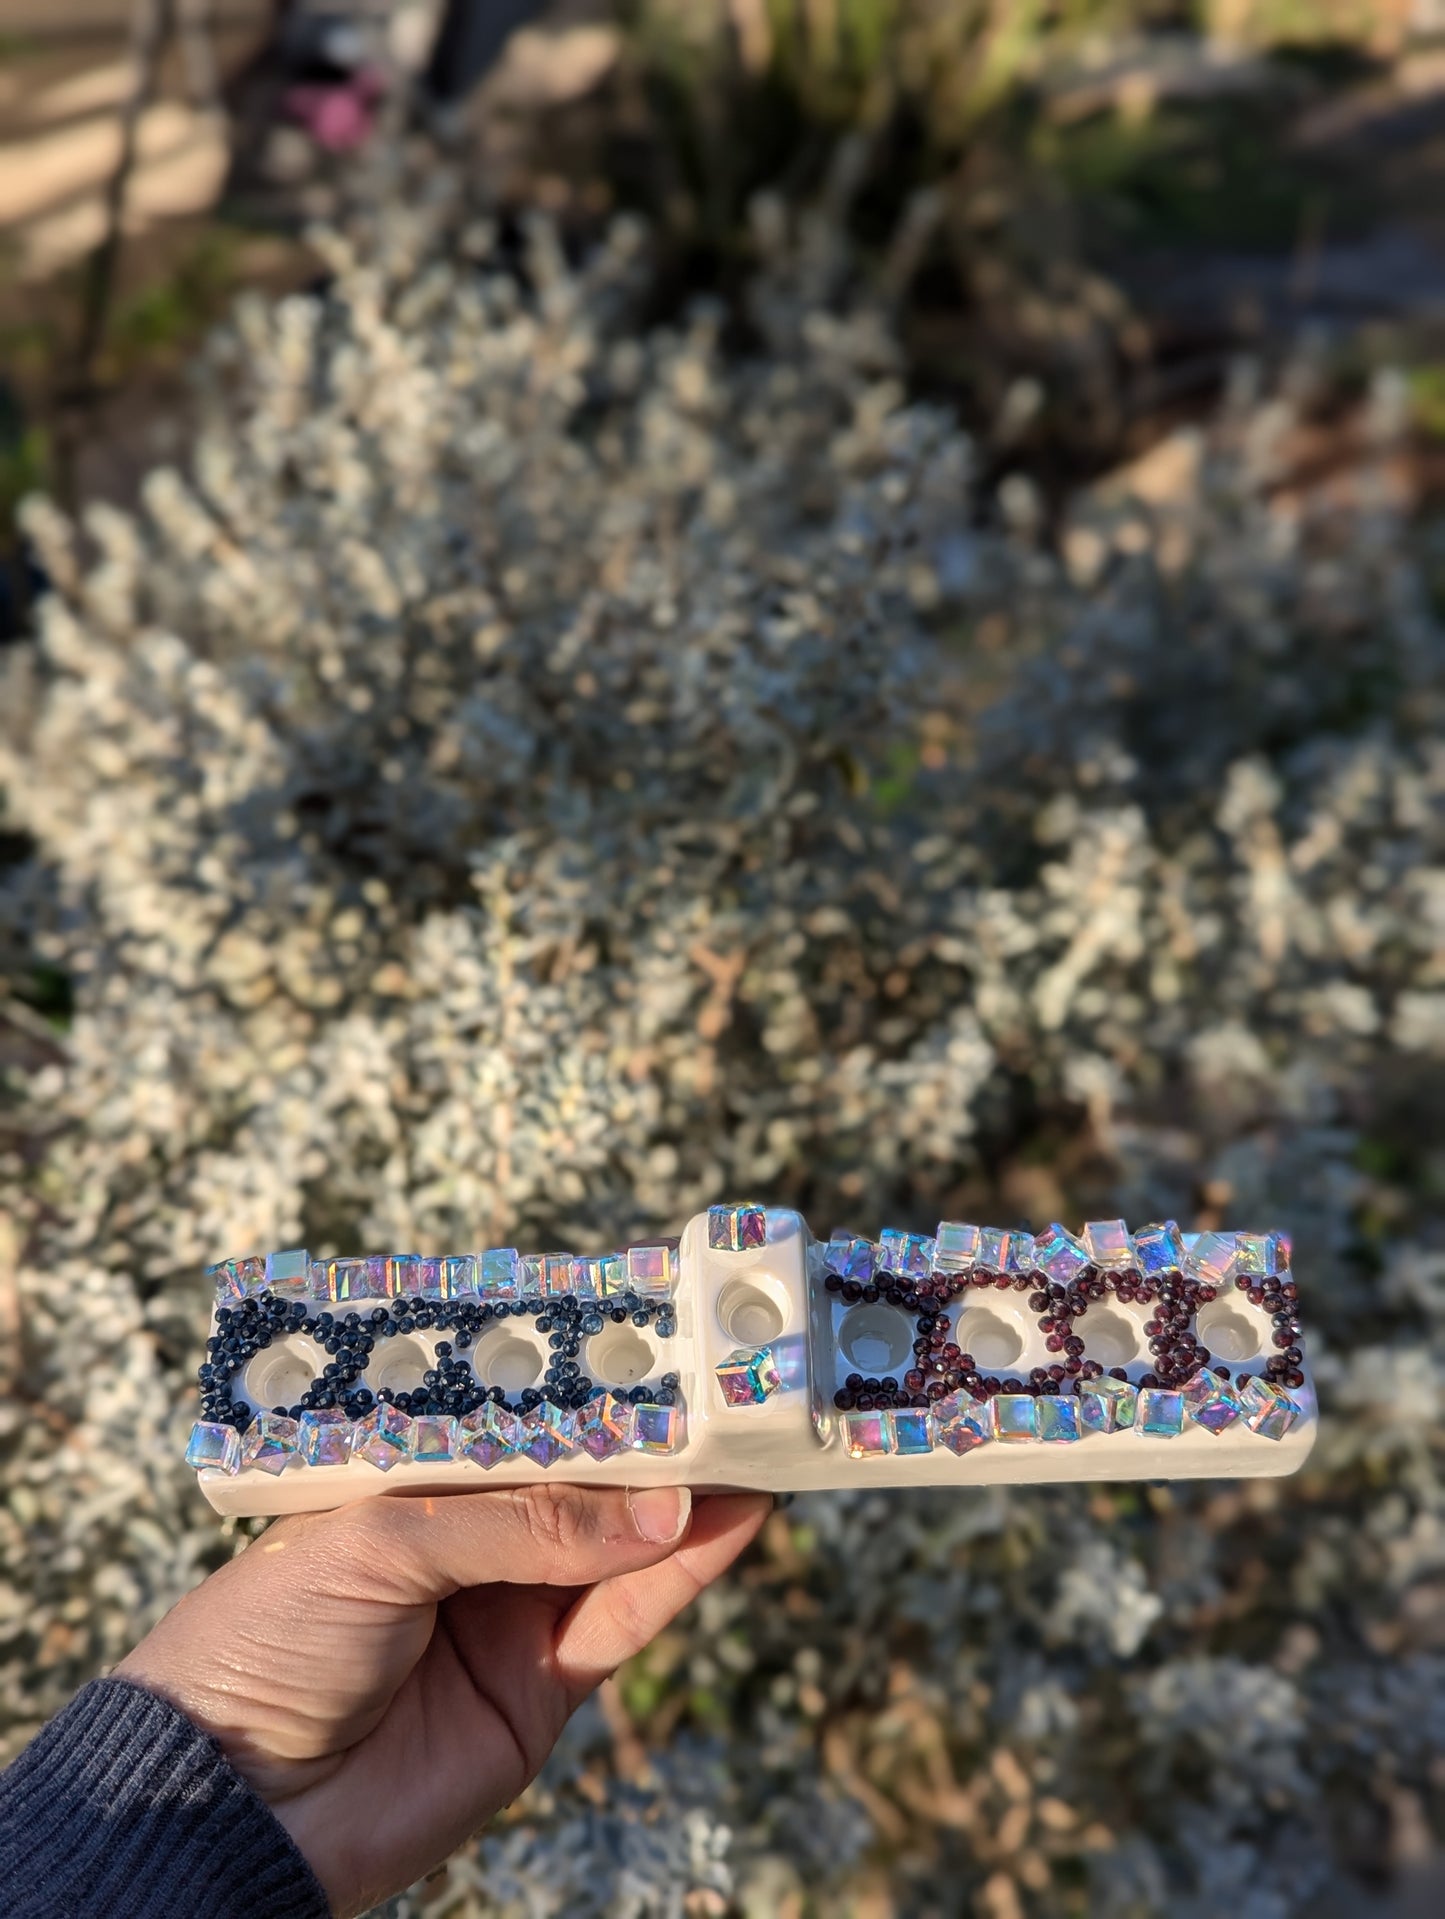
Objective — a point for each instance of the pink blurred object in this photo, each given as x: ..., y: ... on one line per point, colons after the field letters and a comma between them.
x: 338, y: 117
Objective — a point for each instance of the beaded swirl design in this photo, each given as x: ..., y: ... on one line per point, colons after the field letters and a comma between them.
x: 348, y: 1309
x: 1175, y: 1276
x: 450, y: 1413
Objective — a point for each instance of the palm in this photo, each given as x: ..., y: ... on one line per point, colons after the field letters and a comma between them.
x: 384, y: 1705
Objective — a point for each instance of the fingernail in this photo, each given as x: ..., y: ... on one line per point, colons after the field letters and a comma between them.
x: 659, y: 1512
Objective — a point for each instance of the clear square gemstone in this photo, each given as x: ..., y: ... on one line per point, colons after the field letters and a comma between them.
x: 433, y: 1438
x: 650, y: 1270
x: 1107, y: 1405
x: 908, y: 1254
x: 497, y: 1273
x: 867, y: 1435
x: 1255, y: 1255
x: 549, y: 1433
x: 747, y: 1378
x: 850, y: 1257
x: 1213, y: 1258
x: 214, y: 1447
x: 612, y: 1274
x: 1158, y: 1249
x: 657, y: 1429
x: 382, y: 1438
x: 489, y: 1434
x: 1160, y: 1413
x: 1267, y: 1408
x: 558, y: 1274
x: 604, y: 1427
x: 1108, y: 1245
x: 1058, y: 1255
x: 956, y: 1246
x: 349, y: 1279
x: 459, y: 1276
x: 324, y: 1437
x: 911, y: 1430
x: 288, y: 1273
x: 1015, y: 1416
x: 235, y: 1279
x: 735, y: 1229
x: 269, y: 1443
x: 1211, y: 1402
x: 999, y: 1250
x: 529, y: 1275
x: 1058, y: 1418
x: 961, y: 1423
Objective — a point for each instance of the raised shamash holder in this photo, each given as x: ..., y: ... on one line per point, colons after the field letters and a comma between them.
x: 750, y: 1354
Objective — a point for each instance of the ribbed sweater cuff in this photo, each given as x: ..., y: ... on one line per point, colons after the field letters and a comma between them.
x: 120, y: 1808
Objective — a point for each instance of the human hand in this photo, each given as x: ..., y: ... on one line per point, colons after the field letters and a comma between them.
x: 390, y: 1675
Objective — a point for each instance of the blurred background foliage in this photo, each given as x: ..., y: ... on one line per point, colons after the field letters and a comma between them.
x: 1148, y: 710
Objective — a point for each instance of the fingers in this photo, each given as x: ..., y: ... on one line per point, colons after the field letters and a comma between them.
x: 623, y: 1614
x: 415, y: 1551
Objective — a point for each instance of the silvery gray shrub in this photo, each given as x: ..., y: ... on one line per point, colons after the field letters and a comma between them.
x: 533, y: 774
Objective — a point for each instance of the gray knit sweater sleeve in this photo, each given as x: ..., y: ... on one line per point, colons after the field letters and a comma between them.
x: 120, y: 1808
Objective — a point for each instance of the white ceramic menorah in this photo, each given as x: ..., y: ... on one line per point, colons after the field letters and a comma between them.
x: 748, y: 1353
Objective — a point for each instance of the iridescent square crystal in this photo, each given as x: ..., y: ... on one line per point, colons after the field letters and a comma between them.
x: 956, y: 1246
x: 433, y: 1438
x: 1281, y: 1252
x: 850, y: 1257
x: 324, y: 1437
x: 558, y: 1270
x: 269, y: 1443
x: 999, y: 1249
x: 1213, y: 1259
x: 382, y: 1438
x: 961, y: 1422
x: 458, y: 1276
x: 497, y: 1273
x: 911, y: 1431
x: 908, y: 1254
x: 1158, y: 1249
x: 1058, y: 1419
x: 288, y: 1273
x: 1108, y: 1245
x: 650, y: 1270
x: 587, y: 1276
x: 605, y: 1427
x: 547, y: 1434
x: 489, y: 1434
x: 1015, y: 1416
x: 342, y: 1280
x: 1107, y: 1405
x: 1211, y: 1402
x: 401, y: 1274
x: 737, y: 1228
x: 1255, y: 1255
x: 213, y: 1447
x: 1160, y: 1413
x: 612, y: 1274
x: 867, y: 1435
x: 1058, y: 1255
x: 657, y: 1429
x: 429, y: 1278
x: 529, y: 1275
x: 235, y: 1279
x: 747, y: 1378
x: 1268, y: 1409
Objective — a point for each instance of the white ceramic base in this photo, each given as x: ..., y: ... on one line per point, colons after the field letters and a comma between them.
x: 764, y: 1297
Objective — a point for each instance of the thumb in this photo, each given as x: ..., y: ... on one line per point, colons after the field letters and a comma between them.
x: 413, y: 1551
